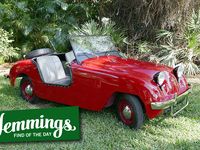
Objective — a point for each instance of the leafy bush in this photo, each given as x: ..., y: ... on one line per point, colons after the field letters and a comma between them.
x: 144, y: 17
x: 185, y: 48
x: 139, y: 49
x: 107, y: 28
x: 7, y: 52
x: 172, y: 48
x: 45, y: 23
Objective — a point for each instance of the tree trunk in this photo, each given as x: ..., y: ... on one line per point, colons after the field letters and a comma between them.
x: 142, y: 18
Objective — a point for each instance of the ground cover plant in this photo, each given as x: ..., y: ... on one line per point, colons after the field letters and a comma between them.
x: 101, y: 130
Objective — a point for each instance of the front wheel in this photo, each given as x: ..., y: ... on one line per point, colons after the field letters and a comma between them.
x: 129, y: 111
x: 27, y: 90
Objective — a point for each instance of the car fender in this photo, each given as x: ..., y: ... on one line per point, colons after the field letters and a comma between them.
x: 23, y: 68
x: 145, y: 91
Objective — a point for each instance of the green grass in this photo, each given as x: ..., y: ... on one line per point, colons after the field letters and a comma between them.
x: 101, y: 130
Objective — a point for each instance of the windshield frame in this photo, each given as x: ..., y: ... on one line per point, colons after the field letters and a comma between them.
x: 92, y: 53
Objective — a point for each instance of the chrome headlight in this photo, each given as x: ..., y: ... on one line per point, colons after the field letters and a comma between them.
x: 159, y: 78
x: 179, y: 71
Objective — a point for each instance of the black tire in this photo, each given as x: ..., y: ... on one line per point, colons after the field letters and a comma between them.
x: 132, y: 115
x: 31, y: 98
x: 39, y: 52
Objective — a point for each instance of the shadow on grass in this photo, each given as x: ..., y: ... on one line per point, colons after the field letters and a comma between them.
x: 185, y: 145
x: 102, y: 130
x: 10, y: 98
x: 12, y: 94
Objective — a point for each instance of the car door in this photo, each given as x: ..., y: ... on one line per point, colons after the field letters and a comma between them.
x: 88, y: 86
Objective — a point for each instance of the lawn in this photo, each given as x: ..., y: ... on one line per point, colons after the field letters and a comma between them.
x: 101, y: 130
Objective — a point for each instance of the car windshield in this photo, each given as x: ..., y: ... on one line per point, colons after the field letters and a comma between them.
x: 92, y: 46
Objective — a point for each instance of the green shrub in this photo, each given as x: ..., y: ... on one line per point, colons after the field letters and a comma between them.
x: 106, y: 28
x: 182, y: 48
x: 36, y: 24
x: 171, y: 48
x: 7, y: 52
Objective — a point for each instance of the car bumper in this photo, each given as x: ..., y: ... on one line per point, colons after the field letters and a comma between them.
x: 172, y: 103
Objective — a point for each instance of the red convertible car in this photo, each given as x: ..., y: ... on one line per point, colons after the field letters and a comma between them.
x: 94, y: 75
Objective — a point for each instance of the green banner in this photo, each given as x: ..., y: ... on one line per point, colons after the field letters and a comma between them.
x: 60, y: 123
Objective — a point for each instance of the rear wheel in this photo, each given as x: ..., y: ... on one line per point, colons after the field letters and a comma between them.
x: 27, y: 90
x: 129, y: 111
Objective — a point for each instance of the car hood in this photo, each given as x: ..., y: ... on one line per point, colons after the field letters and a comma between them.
x: 114, y: 64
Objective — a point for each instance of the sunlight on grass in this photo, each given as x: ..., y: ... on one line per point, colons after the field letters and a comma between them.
x: 101, y: 130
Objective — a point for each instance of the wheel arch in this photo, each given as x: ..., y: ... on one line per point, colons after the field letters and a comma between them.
x: 145, y: 101
x: 115, y: 96
x: 22, y: 75
x: 13, y: 79
x: 20, y: 69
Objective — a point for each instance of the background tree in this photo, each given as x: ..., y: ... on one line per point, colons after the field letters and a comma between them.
x: 43, y: 23
x: 142, y: 18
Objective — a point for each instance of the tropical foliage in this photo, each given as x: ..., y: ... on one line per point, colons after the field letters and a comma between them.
x: 142, y: 18
x: 185, y: 48
x: 106, y: 28
x: 7, y: 52
x: 43, y: 23
x: 37, y: 24
x: 172, y: 48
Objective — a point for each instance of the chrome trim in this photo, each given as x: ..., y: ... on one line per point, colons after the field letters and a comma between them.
x: 173, y: 113
x: 127, y: 112
x: 167, y: 104
x: 29, y: 90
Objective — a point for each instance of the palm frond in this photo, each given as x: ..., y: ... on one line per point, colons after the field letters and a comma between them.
x: 93, y: 28
x: 191, y: 68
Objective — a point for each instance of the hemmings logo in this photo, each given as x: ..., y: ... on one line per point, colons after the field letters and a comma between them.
x: 40, y: 124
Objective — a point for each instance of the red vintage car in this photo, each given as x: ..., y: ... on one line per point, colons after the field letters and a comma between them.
x: 94, y: 75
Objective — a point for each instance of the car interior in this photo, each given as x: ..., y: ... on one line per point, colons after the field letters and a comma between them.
x: 55, y: 69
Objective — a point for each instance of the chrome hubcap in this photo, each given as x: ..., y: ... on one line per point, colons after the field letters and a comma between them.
x: 127, y: 112
x: 29, y: 90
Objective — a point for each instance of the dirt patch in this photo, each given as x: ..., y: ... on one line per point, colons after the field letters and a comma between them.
x: 6, y: 65
x: 5, y: 68
x: 194, y: 79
